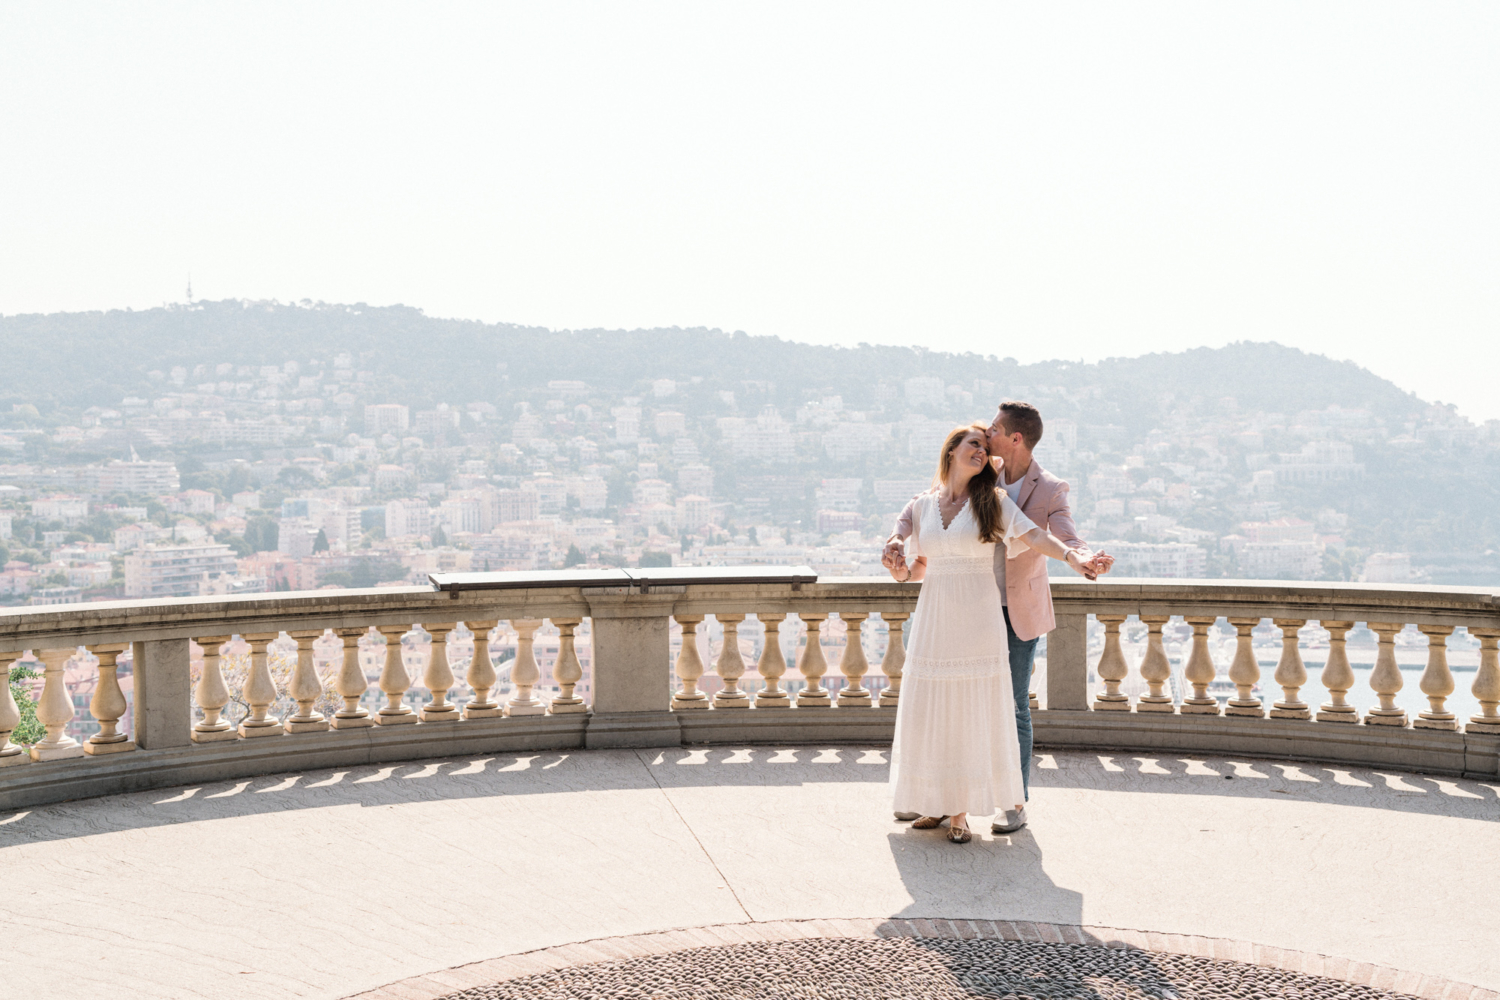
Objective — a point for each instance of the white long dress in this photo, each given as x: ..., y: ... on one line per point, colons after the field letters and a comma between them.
x: 956, y: 749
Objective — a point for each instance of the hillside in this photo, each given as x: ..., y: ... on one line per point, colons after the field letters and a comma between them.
x: 1205, y: 420
x: 82, y: 359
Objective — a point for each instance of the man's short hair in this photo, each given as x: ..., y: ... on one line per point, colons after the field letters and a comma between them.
x: 1022, y: 418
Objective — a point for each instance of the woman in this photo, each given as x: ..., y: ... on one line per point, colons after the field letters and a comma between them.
x: 956, y: 751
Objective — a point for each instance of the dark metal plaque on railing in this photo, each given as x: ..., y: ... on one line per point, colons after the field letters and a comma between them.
x: 663, y: 576
x: 679, y: 576
x: 526, y: 579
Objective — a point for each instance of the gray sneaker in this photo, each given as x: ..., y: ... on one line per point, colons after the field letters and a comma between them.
x: 907, y: 817
x: 1012, y: 821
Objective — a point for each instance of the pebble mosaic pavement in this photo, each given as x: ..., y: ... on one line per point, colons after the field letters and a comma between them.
x: 900, y: 958
x: 852, y: 969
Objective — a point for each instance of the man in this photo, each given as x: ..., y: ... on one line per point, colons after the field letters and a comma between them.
x: 1025, y: 595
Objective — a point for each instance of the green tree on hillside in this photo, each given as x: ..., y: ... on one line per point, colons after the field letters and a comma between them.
x: 260, y: 534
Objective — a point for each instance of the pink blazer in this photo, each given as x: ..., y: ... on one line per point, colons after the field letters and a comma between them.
x: 1044, y: 499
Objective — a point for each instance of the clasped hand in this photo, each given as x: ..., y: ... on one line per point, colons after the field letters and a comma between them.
x: 893, y: 558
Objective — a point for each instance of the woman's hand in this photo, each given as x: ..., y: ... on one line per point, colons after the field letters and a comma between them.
x: 1088, y: 570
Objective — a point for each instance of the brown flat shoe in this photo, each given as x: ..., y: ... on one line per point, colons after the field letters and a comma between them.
x: 959, y: 834
x: 928, y: 822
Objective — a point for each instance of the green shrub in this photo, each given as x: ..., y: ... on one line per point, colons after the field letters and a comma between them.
x: 30, y: 730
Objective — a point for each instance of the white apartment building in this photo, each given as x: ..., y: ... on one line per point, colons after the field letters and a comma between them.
x: 407, y: 518
x: 697, y: 479
x: 1389, y: 567
x: 1285, y: 529
x: 694, y: 512
x: 67, y: 509
x: 669, y: 423
x: 839, y: 494
x: 592, y: 492
x: 390, y: 477
x: 386, y: 418
x: 197, y: 501
x: 551, y: 493
x: 341, y: 525
x: 650, y: 491
x: 1281, y: 560
x: 1109, y: 480
x: 151, y: 478
x: 1110, y: 507
x: 768, y: 438
x: 1319, y: 462
x: 852, y: 440
x: 892, y: 494
x: 516, y: 505
x: 465, y: 513
x: 176, y: 570
x: 296, y: 536
x: 627, y: 424
x: 1157, y: 559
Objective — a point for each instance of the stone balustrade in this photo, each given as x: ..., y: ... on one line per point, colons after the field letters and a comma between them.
x: 642, y: 697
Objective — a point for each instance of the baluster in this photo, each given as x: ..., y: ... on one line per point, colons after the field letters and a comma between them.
x: 352, y: 684
x: 731, y: 665
x: 55, y: 710
x: 212, y: 694
x: 524, y: 673
x: 10, y: 715
x: 1437, y: 680
x: 1244, y: 672
x: 1486, y: 683
x: 259, y: 690
x: 1291, y: 672
x: 1337, y: 676
x: 439, y: 676
x: 394, y: 680
x: 1200, y: 671
x: 481, y: 675
x: 689, y: 667
x: 852, y: 663
x: 1112, y: 667
x: 893, y: 663
x: 1385, y: 679
x: 567, y: 671
x: 306, y: 686
x: 1156, y: 669
x: 772, y: 664
x: 812, y: 665
x: 108, y: 704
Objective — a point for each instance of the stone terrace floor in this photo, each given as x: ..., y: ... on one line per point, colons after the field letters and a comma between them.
x: 330, y: 883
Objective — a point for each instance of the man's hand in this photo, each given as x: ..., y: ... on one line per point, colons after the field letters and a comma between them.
x: 1102, y: 562
x: 893, y: 553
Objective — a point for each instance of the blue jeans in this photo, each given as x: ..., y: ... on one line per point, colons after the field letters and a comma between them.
x: 1022, y: 653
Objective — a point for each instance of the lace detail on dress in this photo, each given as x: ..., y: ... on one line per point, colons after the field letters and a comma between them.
x: 952, y: 669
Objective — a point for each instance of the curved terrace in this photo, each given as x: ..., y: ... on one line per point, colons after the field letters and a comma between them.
x: 475, y: 846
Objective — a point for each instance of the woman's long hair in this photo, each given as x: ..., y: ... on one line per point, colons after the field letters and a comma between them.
x: 984, y: 496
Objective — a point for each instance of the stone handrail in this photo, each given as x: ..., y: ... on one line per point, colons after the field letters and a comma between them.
x: 635, y: 702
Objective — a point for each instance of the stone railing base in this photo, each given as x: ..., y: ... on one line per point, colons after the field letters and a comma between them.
x: 1469, y: 755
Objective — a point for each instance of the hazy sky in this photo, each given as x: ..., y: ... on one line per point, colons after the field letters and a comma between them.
x: 1034, y: 181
